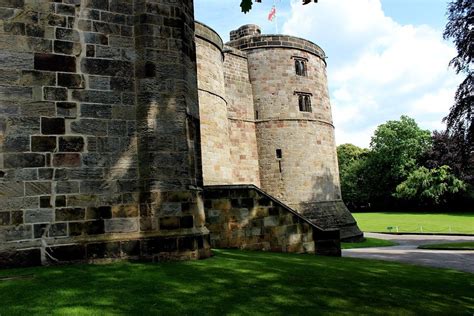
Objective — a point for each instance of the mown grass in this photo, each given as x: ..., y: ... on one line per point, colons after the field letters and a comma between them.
x: 368, y: 243
x: 417, y: 222
x: 239, y: 283
x: 450, y: 246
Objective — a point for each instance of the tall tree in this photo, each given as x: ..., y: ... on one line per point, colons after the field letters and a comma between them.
x: 460, y: 28
x: 396, y: 148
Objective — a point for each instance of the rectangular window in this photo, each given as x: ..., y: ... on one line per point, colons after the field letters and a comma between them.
x: 279, y: 154
x: 304, y: 102
x: 300, y: 67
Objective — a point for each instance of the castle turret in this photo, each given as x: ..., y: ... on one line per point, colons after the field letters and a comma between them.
x: 295, y: 132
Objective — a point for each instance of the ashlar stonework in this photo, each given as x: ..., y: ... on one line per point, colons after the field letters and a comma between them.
x: 121, y: 120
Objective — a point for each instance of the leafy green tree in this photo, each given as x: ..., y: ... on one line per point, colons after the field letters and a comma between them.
x: 351, y: 166
x: 396, y: 148
x: 429, y: 186
x: 460, y: 28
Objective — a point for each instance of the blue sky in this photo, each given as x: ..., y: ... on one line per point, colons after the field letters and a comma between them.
x: 387, y: 58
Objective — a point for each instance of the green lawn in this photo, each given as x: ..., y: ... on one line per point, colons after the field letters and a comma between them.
x: 239, y: 283
x: 369, y: 242
x: 450, y: 246
x: 416, y: 222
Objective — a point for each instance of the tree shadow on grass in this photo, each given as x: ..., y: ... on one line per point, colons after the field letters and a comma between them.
x: 239, y: 282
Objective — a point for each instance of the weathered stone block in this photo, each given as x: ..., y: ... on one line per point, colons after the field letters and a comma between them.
x: 169, y: 222
x: 89, y: 127
x: 67, y: 187
x: 39, y: 216
x: 68, y: 48
x: 54, y: 125
x: 37, y: 188
x: 66, y: 109
x: 106, y: 67
x: 121, y: 225
x: 52, y: 62
x: 71, y: 144
x: 4, y: 218
x: 60, y: 201
x: 103, y: 250
x: 37, y: 78
x: 70, y: 214
x: 67, y: 34
x: 23, y: 160
x: 69, y: 253
x: 102, y: 212
x: 20, y: 258
x: 43, y: 143
x: 67, y: 160
x: 55, y: 94
x: 71, y: 80
x: 124, y: 211
x: 16, y: 60
x: 45, y: 202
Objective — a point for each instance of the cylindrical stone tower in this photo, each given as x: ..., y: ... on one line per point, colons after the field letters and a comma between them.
x: 295, y: 133
x: 217, y: 164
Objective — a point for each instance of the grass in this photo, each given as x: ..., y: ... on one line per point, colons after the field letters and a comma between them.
x: 417, y: 222
x: 469, y: 245
x: 368, y: 243
x: 239, y: 283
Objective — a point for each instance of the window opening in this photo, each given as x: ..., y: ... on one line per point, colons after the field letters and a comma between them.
x: 304, y: 102
x: 279, y: 154
x: 300, y: 67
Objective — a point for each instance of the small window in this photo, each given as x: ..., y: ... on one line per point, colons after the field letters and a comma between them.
x: 256, y: 115
x: 304, y: 102
x: 279, y: 154
x: 300, y: 67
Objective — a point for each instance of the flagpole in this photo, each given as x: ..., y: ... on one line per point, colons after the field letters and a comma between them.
x: 276, y: 18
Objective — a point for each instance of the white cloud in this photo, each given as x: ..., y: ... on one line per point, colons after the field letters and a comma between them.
x: 378, y: 68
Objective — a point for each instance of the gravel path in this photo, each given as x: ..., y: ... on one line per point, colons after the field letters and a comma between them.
x: 406, y: 251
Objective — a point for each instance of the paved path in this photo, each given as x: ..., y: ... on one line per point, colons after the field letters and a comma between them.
x: 406, y: 251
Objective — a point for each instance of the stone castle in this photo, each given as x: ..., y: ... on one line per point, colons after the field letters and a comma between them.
x: 128, y: 130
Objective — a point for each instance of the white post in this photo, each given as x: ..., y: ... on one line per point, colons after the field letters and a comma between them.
x: 276, y: 17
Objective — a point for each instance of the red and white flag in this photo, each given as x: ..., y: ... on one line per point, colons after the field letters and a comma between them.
x: 272, y: 14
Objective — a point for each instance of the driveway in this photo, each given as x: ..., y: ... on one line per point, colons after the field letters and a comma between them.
x: 406, y: 251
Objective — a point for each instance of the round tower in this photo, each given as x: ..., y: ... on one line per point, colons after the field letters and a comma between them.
x: 216, y: 160
x: 295, y: 132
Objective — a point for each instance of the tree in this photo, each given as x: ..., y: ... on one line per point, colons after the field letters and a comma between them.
x: 460, y: 28
x: 396, y: 148
x: 246, y: 5
x: 351, y: 167
x: 430, y: 186
x: 450, y: 149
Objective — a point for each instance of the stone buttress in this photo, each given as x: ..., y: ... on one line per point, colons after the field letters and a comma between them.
x: 99, y: 132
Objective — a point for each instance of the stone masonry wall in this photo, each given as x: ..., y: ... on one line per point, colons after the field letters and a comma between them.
x: 99, y: 131
x: 216, y: 156
x: 241, y: 115
x: 243, y: 216
x: 296, y: 148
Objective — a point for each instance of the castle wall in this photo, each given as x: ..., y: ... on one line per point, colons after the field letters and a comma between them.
x: 99, y: 132
x: 241, y: 118
x: 216, y: 156
x: 306, y: 139
x: 243, y: 216
x: 296, y: 143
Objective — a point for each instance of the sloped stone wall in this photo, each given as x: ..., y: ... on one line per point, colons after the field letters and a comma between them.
x: 243, y: 216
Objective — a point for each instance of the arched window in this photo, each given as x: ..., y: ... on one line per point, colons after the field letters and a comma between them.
x: 300, y: 67
x: 304, y: 102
